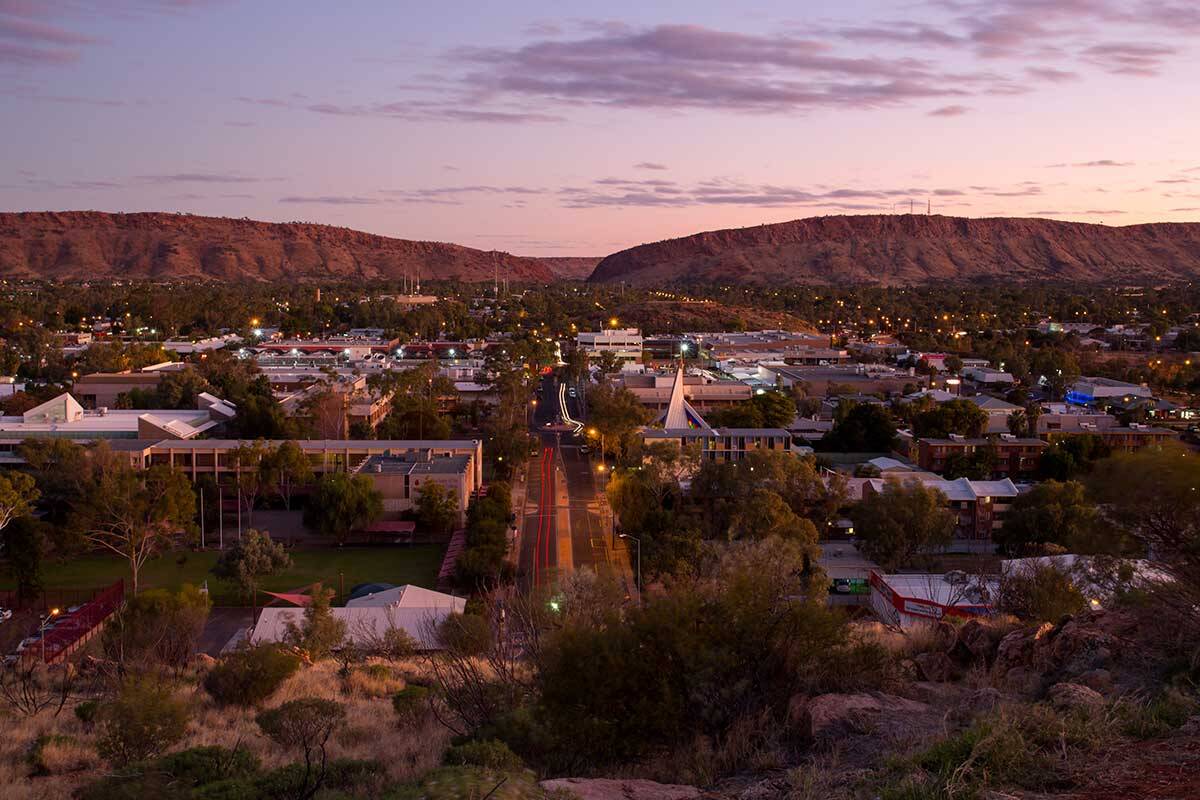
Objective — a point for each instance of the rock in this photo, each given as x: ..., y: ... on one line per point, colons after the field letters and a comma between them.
x: 203, y: 661
x: 1099, y: 679
x: 832, y: 715
x: 617, y: 789
x: 1073, y: 696
x: 938, y: 694
x: 1017, y: 648
x: 1191, y: 727
x: 979, y: 639
x: 935, y: 666
x: 984, y: 700
x: 1023, y: 681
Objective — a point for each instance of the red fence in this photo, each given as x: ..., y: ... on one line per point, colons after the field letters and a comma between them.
x: 73, y: 628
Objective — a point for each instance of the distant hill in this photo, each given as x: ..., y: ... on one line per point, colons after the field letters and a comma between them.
x: 913, y: 249
x: 569, y: 268
x: 75, y: 245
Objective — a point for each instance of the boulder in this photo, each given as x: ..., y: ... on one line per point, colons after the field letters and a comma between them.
x: 1023, y: 681
x: 831, y: 715
x: 618, y: 789
x: 1099, y: 679
x: 1017, y: 649
x: 943, y: 635
x: 936, y: 667
x: 984, y: 700
x: 1073, y: 696
x: 979, y: 640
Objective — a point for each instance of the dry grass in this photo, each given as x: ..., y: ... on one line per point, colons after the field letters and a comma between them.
x: 372, y: 731
x: 374, y: 681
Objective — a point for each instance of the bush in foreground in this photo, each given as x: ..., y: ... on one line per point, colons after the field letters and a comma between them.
x: 141, y: 722
x: 249, y: 677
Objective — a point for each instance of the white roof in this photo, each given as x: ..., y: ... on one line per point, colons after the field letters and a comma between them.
x: 410, y: 596
x: 939, y: 590
x: 886, y: 464
x: 363, y: 623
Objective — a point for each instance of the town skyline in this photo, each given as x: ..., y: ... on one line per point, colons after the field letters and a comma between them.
x: 547, y: 129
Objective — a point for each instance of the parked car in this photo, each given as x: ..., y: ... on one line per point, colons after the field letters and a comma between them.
x: 5, y: 614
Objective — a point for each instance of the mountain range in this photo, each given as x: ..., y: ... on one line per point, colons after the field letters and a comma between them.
x: 907, y: 249
x: 894, y: 250
x: 79, y: 245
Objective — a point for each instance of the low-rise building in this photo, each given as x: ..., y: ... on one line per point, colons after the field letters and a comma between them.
x: 1094, y: 391
x: 399, y: 479
x: 979, y: 507
x: 625, y: 344
x: 1016, y: 457
x: 65, y: 418
x: 909, y: 601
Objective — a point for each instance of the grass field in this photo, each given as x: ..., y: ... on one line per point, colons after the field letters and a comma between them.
x: 417, y: 564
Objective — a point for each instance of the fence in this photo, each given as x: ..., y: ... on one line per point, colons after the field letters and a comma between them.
x: 75, y: 628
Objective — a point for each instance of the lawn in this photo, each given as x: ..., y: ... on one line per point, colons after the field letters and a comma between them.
x: 416, y: 564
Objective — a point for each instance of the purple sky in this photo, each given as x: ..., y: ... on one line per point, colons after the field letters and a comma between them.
x: 574, y: 127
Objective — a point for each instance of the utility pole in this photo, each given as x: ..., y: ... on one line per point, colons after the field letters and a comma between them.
x: 201, y: 517
x: 220, y: 518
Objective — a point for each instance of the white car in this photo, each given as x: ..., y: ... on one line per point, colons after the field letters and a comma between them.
x: 5, y: 614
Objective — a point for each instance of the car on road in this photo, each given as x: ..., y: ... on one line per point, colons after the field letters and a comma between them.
x: 5, y: 614
x: 583, y: 448
x: 571, y: 391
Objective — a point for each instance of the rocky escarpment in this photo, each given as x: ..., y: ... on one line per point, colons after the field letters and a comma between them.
x: 89, y: 245
x: 913, y: 249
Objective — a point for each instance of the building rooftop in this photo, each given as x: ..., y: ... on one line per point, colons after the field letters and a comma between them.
x: 396, y: 465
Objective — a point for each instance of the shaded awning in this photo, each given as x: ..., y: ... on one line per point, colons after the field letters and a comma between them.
x: 294, y: 599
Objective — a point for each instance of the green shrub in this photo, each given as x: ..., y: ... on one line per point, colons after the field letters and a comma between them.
x: 200, y: 765
x: 87, y: 712
x: 249, y: 677
x: 143, y: 721
x: 411, y: 701
x: 1157, y: 717
x: 340, y: 774
x: 465, y: 634
x: 488, y: 753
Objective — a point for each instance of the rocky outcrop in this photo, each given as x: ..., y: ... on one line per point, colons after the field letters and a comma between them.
x: 1074, y: 697
x: 620, y: 789
x: 829, y: 716
x: 1092, y: 649
x: 90, y: 245
x: 905, y: 249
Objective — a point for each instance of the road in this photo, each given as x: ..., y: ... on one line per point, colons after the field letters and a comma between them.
x: 565, y: 520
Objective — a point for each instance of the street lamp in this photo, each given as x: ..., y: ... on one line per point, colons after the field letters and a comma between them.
x: 639, y: 561
x: 53, y: 613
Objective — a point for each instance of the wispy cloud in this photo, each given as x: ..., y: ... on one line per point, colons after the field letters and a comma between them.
x: 332, y: 200
x: 949, y: 111
x: 1103, y: 162
x: 649, y: 165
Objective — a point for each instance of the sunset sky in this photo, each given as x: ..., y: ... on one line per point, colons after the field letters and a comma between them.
x: 580, y: 128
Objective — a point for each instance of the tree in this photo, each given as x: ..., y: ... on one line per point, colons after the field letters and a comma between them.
x: 26, y: 545
x: 157, y: 629
x: 767, y: 515
x: 18, y: 493
x: 343, y: 503
x: 137, y: 513
x: 1018, y: 423
x: 141, y: 722
x: 250, y: 560
x: 615, y: 413
x: 305, y: 725
x: 285, y: 468
x: 767, y: 410
x: 247, y: 460
x: 959, y: 416
x: 953, y: 364
x: 978, y: 465
x: 863, y: 428
x: 901, y: 522
x: 437, y: 508
x: 319, y: 632
x: 1151, y: 494
x: 1054, y: 513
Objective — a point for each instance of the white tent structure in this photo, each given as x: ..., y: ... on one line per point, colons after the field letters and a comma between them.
x: 679, y: 414
x: 414, y: 610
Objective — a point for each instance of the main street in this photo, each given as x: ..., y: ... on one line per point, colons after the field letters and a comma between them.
x: 565, y: 525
